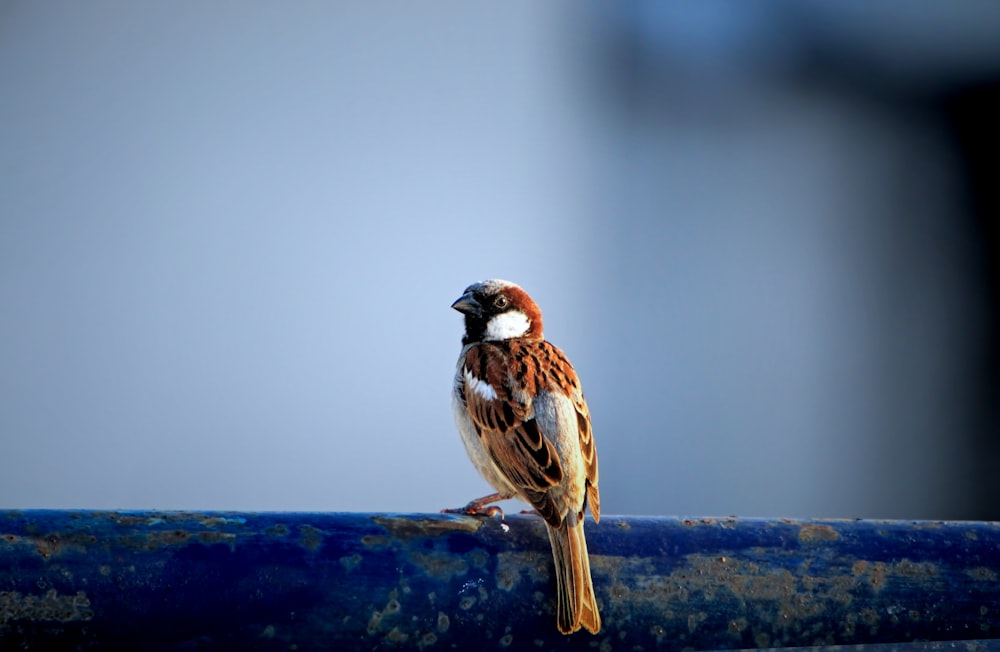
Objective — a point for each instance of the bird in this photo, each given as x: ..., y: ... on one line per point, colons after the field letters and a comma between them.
x: 520, y: 411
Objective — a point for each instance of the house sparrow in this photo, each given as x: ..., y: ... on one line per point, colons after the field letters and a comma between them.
x: 526, y: 427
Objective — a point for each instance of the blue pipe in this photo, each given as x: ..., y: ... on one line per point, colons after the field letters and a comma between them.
x: 305, y: 581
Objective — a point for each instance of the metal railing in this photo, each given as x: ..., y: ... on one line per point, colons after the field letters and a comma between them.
x: 339, y: 581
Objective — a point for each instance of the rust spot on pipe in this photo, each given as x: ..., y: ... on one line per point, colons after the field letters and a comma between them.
x: 51, y: 606
x: 375, y: 541
x: 350, y: 562
x: 52, y: 545
x: 209, y: 538
x: 405, y: 528
x: 816, y: 532
x: 310, y: 537
x: 439, y: 564
x: 982, y: 574
x: 171, y: 538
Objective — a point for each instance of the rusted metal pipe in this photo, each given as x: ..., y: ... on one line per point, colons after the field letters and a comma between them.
x: 281, y: 581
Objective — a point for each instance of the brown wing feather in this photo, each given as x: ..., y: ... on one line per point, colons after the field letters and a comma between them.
x: 506, y: 422
x: 589, y: 457
x: 571, y: 387
x: 527, y: 463
x: 509, y: 431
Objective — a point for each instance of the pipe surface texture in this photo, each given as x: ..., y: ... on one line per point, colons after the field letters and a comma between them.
x: 87, y: 580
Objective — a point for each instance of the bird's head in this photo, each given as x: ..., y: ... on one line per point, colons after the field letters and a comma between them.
x: 498, y: 310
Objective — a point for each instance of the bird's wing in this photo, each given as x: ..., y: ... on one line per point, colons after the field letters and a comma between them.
x: 507, y: 427
x: 556, y: 369
x: 589, y: 452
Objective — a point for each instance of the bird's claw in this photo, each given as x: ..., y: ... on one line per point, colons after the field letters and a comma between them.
x: 481, y: 507
x: 474, y: 509
x: 493, y: 511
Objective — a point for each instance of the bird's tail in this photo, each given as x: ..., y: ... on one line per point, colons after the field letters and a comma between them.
x: 575, y: 603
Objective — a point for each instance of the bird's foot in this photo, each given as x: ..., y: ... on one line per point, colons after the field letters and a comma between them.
x: 480, y: 507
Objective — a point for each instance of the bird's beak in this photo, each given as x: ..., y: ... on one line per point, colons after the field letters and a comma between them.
x: 467, y: 305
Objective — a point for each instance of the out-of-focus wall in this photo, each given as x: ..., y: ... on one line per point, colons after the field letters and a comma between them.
x: 229, y: 237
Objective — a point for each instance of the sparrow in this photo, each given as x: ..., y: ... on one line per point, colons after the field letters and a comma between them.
x: 521, y: 414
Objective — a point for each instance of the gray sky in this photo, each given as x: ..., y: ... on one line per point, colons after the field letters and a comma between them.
x: 230, y: 235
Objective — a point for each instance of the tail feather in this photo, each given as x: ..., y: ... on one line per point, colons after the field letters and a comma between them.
x: 576, y: 605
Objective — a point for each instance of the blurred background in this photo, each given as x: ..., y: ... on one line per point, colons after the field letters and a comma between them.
x: 765, y: 233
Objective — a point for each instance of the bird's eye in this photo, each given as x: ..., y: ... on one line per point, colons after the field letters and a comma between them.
x: 500, y: 302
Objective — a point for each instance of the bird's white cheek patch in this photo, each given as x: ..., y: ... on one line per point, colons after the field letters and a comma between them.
x: 480, y: 387
x: 507, y: 325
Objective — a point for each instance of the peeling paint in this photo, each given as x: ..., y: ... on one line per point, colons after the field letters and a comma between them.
x: 511, y: 566
x: 375, y: 541
x: 309, y: 537
x: 982, y: 574
x: 427, y: 640
x: 50, y: 606
x: 815, y: 532
x: 781, y: 605
x: 442, y: 566
x: 457, y: 582
x: 350, y: 562
x: 478, y: 558
x: 408, y: 527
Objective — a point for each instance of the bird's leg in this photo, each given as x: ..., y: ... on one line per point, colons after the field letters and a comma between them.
x: 478, y: 507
